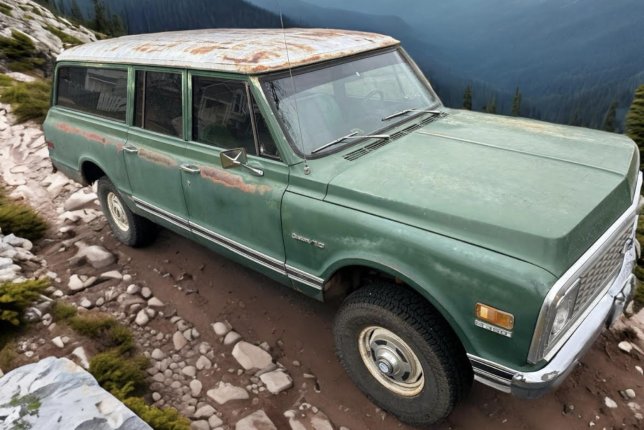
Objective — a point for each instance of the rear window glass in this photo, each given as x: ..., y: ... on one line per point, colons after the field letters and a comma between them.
x: 157, y: 105
x: 92, y: 90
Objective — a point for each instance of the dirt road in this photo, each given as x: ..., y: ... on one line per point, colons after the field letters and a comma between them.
x: 214, y: 288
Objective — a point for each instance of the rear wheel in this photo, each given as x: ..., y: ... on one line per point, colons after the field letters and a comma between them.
x: 128, y: 227
x: 401, y: 353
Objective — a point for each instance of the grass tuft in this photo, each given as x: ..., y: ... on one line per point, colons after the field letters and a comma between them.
x: 62, y: 311
x: 64, y: 37
x: 28, y: 100
x: 15, y: 297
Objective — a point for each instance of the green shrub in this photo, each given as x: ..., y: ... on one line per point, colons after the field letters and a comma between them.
x: 5, y: 9
x: 22, y: 221
x: 62, y: 311
x: 105, y: 330
x: 64, y: 37
x: 15, y: 297
x: 35, y: 10
x: 20, y: 52
x: 29, y: 100
x: 119, y: 373
x: 7, y: 356
x: 158, y: 418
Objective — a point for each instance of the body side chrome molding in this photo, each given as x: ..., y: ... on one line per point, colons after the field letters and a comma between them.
x: 236, y: 247
x: 538, y: 345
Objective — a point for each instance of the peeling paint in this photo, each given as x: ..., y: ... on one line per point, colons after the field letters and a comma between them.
x: 157, y: 158
x: 230, y: 50
x: 229, y: 180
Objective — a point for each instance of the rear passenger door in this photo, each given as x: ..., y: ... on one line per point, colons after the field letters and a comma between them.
x: 155, y: 143
x: 236, y: 210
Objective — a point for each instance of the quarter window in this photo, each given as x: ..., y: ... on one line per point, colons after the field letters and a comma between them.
x: 158, y: 105
x: 96, y: 91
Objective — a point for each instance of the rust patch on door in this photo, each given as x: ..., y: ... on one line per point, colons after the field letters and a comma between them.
x: 157, y: 158
x: 229, y: 180
x: 89, y: 135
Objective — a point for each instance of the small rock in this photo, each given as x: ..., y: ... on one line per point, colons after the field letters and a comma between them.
x: 58, y: 342
x: 205, y: 411
x: 82, y: 357
x: 195, y: 387
x: 133, y: 289
x: 179, y: 340
x: 221, y: 329
x: 142, y: 318
x: 251, y: 357
x: 203, y: 363
x: 639, y: 370
x: 610, y: 403
x: 75, y: 283
x: 276, y: 381
x: 625, y: 346
x: 630, y: 393
x: 97, y: 256
x: 189, y: 371
x: 146, y: 292
x: 154, y: 302
x: 255, y: 421
x: 157, y: 354
x: 225, y: 392
x: 78, y: 200
x: 215, y: 421
x: 112, y: 274
x: 86, y: 303
x: 156, y: 396
x: 200, y: 425
x: 231, y: 338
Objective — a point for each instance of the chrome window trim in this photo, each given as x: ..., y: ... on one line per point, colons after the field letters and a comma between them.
x: 236, y: 247
x: 538, y: 350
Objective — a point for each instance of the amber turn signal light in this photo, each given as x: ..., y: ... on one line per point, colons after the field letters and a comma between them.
x: 494, y: 316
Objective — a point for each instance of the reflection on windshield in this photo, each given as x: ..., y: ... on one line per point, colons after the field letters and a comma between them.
x: 338, y: 100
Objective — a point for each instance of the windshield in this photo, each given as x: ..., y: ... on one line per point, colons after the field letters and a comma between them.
x: 358, y: 97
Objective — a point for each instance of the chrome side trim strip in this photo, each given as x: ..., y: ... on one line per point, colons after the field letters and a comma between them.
x: 236, y: 247
x: 539, y: 338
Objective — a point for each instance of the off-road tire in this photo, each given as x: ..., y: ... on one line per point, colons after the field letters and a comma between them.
x: 139, y: 232
x: 447, y: 372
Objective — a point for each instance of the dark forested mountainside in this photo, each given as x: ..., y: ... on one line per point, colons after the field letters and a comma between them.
x: 572, y: 60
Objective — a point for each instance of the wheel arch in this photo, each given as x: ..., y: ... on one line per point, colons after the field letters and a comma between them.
x: 347, y: 275
x: 91, y: 170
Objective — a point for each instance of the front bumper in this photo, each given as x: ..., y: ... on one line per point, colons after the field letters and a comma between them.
x: 532, y: 385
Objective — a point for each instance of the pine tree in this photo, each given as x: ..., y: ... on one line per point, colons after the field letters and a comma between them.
x: 609, y: 118
x: 101, y: 20
x: 76, y: 13
x: 516, y: 103
x: 467, y: 98
x: 635, y: 120
x: 491, y: 105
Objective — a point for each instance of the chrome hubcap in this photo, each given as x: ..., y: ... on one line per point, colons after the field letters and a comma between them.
x: 117, y: 212
x: 391, y: 361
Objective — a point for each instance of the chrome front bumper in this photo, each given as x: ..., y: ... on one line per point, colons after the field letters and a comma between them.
x: 532, y: 385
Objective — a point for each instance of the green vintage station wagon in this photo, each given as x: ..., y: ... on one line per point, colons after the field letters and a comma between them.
x: 462, y: 246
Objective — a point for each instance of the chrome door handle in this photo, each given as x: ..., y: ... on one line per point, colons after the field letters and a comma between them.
x: 131, y: 149
x: 190, y: 168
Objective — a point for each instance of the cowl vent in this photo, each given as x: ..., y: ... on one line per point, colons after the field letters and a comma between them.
x: 354, y: 155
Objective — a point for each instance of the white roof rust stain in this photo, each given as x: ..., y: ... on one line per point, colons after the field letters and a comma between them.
x: 230, y: 50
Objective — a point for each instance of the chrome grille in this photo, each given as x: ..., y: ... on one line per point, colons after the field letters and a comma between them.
x: 601, y: 272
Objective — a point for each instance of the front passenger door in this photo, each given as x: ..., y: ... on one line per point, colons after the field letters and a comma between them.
x: 237, y: 210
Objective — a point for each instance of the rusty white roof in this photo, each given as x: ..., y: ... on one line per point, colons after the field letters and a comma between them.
x: 230, y: 50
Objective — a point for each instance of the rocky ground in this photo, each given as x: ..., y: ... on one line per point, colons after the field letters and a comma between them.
x: 232, y: 349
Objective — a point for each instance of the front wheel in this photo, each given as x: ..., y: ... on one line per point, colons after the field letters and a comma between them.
x: 401, y: 353
x: 128, y: 227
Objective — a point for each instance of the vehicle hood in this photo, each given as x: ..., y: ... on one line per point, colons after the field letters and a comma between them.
x: 539, y: 192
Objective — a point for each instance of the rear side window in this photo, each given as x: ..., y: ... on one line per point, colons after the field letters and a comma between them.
x: 158, y: 105
x: 96, y: 91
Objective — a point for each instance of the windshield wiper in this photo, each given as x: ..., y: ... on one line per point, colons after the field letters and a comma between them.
x: 353, y: 135
x: 406, y: 111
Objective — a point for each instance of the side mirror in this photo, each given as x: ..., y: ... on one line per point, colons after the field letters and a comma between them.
x: 233, y: 158
x: 237, y: 158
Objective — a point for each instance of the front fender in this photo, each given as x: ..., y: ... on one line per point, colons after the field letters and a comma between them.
x: 453, y: 276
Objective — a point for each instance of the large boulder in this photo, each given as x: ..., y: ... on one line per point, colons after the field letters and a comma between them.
x: 56, y: 394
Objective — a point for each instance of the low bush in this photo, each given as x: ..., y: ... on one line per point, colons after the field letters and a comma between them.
x: 158, y: 418
x: 62, y: 311
x: 105, y: 330
x: 64, y: 37
x: 115, y: 372
x: 8, y: 356
x: 21, y: 220
x: 28, y: 100
x: 21, y: 53
x: 15, y: 297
